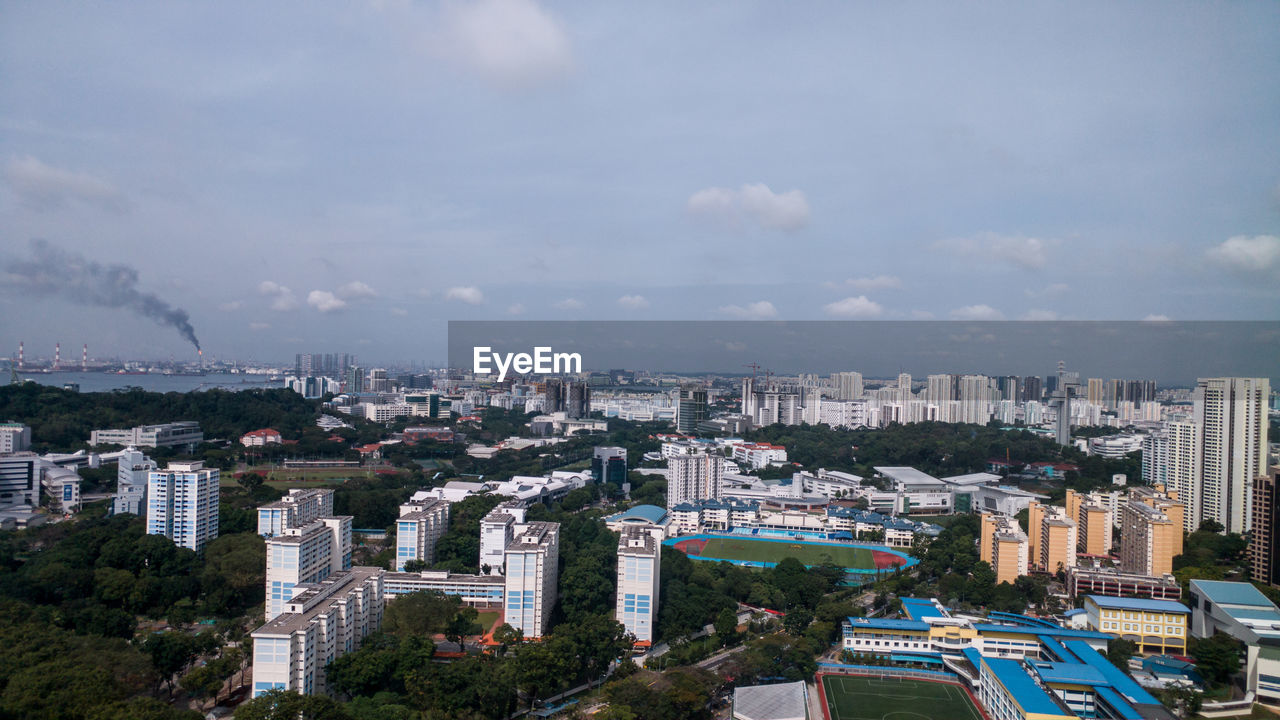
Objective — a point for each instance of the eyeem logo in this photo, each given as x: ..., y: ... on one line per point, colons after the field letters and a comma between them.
x: 542, y: 362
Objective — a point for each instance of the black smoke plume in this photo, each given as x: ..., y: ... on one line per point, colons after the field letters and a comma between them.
x: 51, y: 271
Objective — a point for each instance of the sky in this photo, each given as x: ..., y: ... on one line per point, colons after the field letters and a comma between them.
x: 348, y: 176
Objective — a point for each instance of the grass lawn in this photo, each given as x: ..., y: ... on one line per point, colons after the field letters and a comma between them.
x: 486, y: 619
x: 868, y: 698
x: 767, y: 551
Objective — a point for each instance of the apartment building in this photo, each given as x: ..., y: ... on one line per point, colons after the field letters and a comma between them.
x: 182, y: 504
x: 419, y: 527
x: 532, y: 569
x: 1005, y: 546
x: 639, y: 565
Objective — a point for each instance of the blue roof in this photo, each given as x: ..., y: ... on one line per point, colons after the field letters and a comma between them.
x: 1053, y: 632
x: 648, y: 513
x: 1122, y: 708
x: 1017, y: 619
x: 1026, y: 693
x: 1232, y: 593
x: 931, y: 658
x: 1073, y: 612
x: 1058, y: 649
x: 919, y: 609
x: 883, y: 624
x: 1068, y: 673
x: 1124, y: 603
x: 1116, y: 677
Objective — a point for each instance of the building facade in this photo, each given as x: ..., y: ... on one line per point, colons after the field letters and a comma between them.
x: 1264, y: 546
x: 532, y: 570
x: 639, y: 565
x: 418, y: 529
x: 1232, y: 415
x: 1155, y: 626
x: 182, y: 504
x: 694, y: 477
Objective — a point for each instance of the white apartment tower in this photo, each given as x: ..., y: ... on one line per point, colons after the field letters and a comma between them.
x: 182, y: 504
x: 1171, y: 458
x: 132, y: 472
x: 303, y: 555
x: 533, y: 567
x: 298, y: 508
x: 694, y: 477
x: 848, y: 385
x: 639, y: 562
x: 497, y: 529
x: 1232, y: 415
x: 418, y: 529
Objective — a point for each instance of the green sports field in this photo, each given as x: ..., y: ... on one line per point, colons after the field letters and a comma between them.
x: 772, y: 552
x: 866, y: 698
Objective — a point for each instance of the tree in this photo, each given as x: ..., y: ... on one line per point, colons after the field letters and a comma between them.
x: 1119, y: 651
x: 1217, y: 657
x: 461, y: 625
x: 727, y: 626
x: 287, y: 705
x: 426, y: 612
x: 797, y: 621
x: 506, y: 636
x: 170, y: 652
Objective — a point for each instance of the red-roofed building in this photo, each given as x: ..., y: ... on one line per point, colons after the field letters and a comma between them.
x: 373, y: 451
x: 418, y: 434
x: 258, y: 438
x: 759, y: 455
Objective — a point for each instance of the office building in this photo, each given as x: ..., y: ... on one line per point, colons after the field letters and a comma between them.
x: 323, y: 622
x: 532, y: 569
x: 639, y: 563
x: 176, y: 434
x: 182, y: 504
x: 1156, y: 627
x: 418, y: 529
x: 691, y: 408
x: 694, y: 477
x: 300, y: 507
x: 609, y: 464
x: 20, y: 479
x: 1150, y: 532
x: 132, y: 471
x: 1264, y: 545
x: 1241, y: 610
x: 14, y: 438
x: 304, y: 555
x: 1232, y: 415
x: 1171, y: 457
x: 1004, y: 546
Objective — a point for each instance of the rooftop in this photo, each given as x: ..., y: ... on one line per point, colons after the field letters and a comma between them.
x: 1123, y: 603
x: 785, y: 701
x: 647, y: 513
x: 1029, y: 696
x: 1224, y: 592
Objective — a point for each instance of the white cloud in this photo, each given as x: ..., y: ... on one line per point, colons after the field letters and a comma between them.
x: 469, y: 294
x: 356, y: 290
x: 921, y: 315
x: 47, y: 187
x: 259, y: 326
x: 755, y: 203
x: 515, y: 309
x: 325, y: 301
x: 1027, y: 253
x: 1047, y: 291
x: 761, y: 310
x: 869, y: 283
x: 230, y: 306
x: 1249, y: 254
x: 282, y: 298
x: 633, y: 302
x: 1156, y: 318
x: 1039, y: 315
x: 569, y: 304
x: 399, y: 312
x: 858, y: 307
x: 977, y: 312
x: 514, y: 44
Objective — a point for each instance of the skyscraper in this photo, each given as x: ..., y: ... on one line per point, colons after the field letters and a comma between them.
x: 182, y: 504
x: 848, y: 385
x: 691, y: 409
x: 1171, y: 457
x: 639, y: 558
x: 1232, y: 415
x: 533, y: 567
x: 694, y: 477
x: 1264, y: 545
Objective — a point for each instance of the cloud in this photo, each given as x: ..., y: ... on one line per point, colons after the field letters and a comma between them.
x: 258, y: 326
x: 1039, y: 315
x: 1156, y: 318
x: 976, y: 312
x: 921, y: 315
x: 468, y: 294
x: 1027, y: 253
x: 569, y: 304
x: 356, y: 290
x: 48, y: 188
x: 399, y: 312
x: 515, y: 309
x: 865, y: 284
x: 1247, y: 254
x: 325, y: 301
x: 633, y: 302
x: 761, y: 310
x: 230, y: 306
x: 1047, y: 291
x: 514, y: 44
x: 854, y: 307
x: 754, y: 203
x: 282, y: 298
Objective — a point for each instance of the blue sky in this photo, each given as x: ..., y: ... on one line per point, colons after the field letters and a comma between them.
x: 348, y: 176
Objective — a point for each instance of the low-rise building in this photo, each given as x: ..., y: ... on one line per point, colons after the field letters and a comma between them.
x: 259, y: 438
x: 1241, y: 610
x: 1154, y: 626
x: 1097, y: 580
x: 185, y: 433
x: 478, y: 591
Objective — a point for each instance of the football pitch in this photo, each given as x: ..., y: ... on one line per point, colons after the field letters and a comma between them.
x: 868, y: 698
x: 772, y: 552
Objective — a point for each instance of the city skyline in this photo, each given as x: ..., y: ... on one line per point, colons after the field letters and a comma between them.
x: 448, y: 164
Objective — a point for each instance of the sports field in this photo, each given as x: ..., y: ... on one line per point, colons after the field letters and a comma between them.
x: 867, y: 698
x: 772, y: 552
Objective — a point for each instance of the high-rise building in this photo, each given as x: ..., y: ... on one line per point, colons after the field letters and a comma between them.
x: 1004, y: 546
x: 692, y: 408
x: 639, y: 565
x: 555, y: 397
x: 975, y: 399
x: 1232, y: 415
x: 1150, y: 531
x: 378, y: 381
x: 694, y: 477
x: 848, y: 385
x: 1052, y: 537
x: 578, y: 403
x: 1031, y: 388
x: 302, y: 555
x: 182, y: 504
x: 300, y: 507
x: 1264, y: 543
x: 1171, y: 457
x: 1093, y: 522
x: 1094, y: 394
x: 14, y: 438
x: 132, y: 471
x: 533, y: 566
x: 497, y: 529
x: 609, y: 464
x: 418, y: 529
